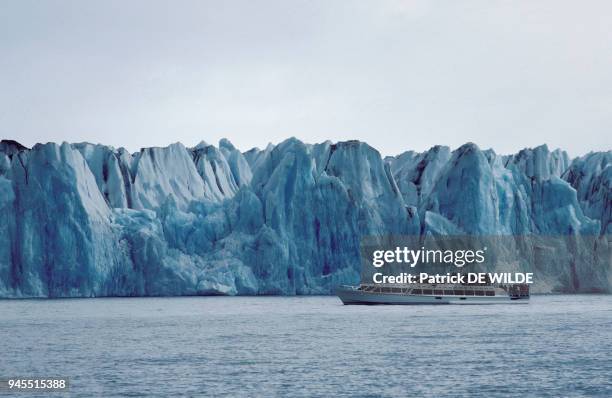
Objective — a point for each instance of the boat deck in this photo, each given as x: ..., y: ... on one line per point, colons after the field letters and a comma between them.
x: 432, y: 294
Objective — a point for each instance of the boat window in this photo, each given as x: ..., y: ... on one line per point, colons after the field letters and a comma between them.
x: 426, y: 291
x: 448, y: 293
x: 459, y: 292
x: 479, y: 293
x: 438, y: 292
x: 469, y: 292
x: 490, y: 293
x: 417, y: 291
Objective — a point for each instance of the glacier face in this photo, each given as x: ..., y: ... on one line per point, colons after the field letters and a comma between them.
x: 83, y: 220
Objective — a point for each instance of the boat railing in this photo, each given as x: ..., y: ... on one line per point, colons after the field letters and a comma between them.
x: 441, y: 290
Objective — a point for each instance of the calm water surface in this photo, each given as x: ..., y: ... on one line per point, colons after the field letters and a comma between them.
x: 310, y: 346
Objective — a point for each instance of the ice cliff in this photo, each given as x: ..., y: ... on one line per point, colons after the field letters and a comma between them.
x: 90, y: 220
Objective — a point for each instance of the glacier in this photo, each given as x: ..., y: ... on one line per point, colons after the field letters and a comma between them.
x: 88, y: 220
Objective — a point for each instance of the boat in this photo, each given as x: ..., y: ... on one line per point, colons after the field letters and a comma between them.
x: 370, y: 294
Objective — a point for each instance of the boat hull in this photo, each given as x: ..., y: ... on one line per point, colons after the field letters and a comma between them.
x: 351, y: 296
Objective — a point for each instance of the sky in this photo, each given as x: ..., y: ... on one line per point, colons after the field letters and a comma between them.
x: 399, y: 75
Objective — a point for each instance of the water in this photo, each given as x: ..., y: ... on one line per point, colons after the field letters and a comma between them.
x: 310, y: 346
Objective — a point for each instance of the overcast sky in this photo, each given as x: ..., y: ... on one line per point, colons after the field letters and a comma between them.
x: 397, y: 74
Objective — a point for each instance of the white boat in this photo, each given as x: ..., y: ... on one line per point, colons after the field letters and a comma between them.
x: 433, y: 294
